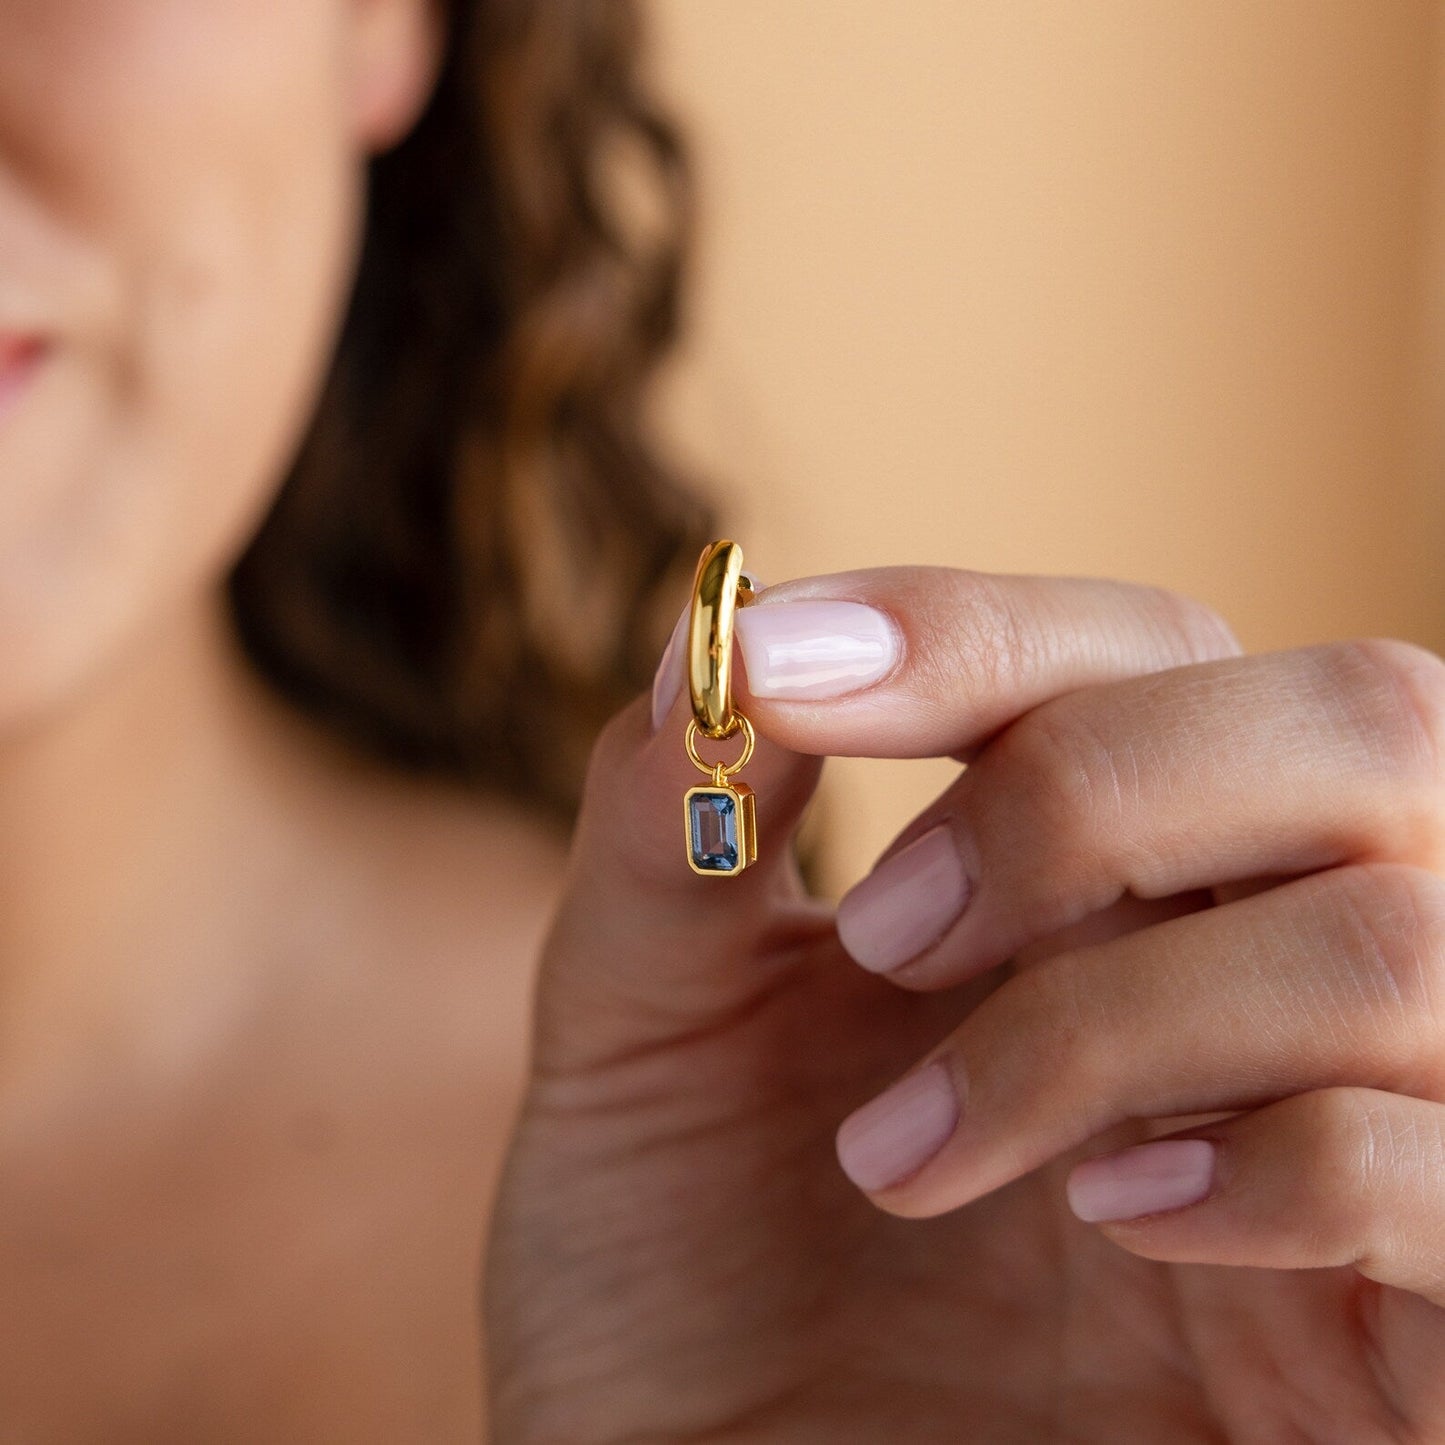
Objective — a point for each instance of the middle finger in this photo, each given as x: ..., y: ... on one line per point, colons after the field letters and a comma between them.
x: 1270, y: 765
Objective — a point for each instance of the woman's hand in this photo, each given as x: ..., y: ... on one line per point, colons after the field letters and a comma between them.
x: 1177, y: 891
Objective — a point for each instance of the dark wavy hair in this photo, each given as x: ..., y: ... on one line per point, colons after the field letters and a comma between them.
x: 478, y: 552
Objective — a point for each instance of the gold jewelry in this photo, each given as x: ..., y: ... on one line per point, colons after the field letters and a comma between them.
x: 719, y: 817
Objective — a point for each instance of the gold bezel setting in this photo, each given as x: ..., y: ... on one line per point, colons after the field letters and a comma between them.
x: 742, y: 818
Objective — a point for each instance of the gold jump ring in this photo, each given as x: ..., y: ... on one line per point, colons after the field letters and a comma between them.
x: 720, y: 771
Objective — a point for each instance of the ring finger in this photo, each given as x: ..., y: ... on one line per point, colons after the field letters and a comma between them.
x: 1332, y: 979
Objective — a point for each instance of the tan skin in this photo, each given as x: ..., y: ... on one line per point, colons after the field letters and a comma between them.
x: 261, y: 1022
x: 262, y: 1016
x: 1208, y: 900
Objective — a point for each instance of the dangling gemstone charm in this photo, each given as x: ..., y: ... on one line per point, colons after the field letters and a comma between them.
x: 719, y: 817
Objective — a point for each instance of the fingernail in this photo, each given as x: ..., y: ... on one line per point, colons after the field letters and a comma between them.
x: 667, y: 681
x: 1164, y: 1174
x: 907, y: 902
x: 809, y: 648
x: 897, y: 1133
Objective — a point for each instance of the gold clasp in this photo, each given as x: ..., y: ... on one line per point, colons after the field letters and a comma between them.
x: 720, y: 772
x: 719, y: 588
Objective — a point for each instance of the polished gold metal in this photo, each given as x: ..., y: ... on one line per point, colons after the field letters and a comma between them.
x: 720, y: 771
x: 747, y: 825
x: 719, y: 588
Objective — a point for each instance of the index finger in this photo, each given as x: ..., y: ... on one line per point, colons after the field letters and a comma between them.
x: 890, y: 662
x: 931, y: 661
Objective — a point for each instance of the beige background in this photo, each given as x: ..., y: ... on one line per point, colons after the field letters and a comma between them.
x: 1136, y: 288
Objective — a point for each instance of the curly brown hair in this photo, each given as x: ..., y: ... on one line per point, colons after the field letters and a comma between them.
x: 478, y: 551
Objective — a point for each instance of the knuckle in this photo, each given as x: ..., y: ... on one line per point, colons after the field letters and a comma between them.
x: 1347, y: 1155
x: 1342, y: 1136
x: 1071, y: 779
x: 1399, y: 691
x: 1393, y: 918
x: 1074, y: 786
x: 1059, y: 1014
x: 1354, y: 1153
x: 1204, y: 633
x: 978, y: 630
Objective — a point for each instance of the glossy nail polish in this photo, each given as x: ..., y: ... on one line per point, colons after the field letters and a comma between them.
x: 1147, y: 1178
x: 808, y: 648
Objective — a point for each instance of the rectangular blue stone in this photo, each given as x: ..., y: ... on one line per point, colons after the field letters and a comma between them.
x: 713, y: 830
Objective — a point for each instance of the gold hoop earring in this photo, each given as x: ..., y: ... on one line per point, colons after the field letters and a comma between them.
x: 720, y: 816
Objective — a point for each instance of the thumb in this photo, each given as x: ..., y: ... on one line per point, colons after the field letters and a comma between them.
x: 643, y: 950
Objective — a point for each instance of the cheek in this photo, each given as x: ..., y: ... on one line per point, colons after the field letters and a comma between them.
x: 185, y: 199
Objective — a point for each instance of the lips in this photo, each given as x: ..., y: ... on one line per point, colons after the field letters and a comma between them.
x: 20, y: 357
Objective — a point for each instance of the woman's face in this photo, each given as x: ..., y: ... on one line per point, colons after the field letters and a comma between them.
x: 181, y: 184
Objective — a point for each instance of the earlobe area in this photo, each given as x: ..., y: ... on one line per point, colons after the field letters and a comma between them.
x: 396, y: 48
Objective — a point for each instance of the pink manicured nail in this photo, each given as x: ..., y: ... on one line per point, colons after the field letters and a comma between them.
x: 1164, y: 1174
x: 667, y: 682
x: 906, y: 903
x: 897, y: 1133
x: 810, y: 648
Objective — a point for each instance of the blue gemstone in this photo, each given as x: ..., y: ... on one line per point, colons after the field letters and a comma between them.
x: 713, y: 828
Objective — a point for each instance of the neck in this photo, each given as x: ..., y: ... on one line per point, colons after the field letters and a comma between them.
x: 151, y: 820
